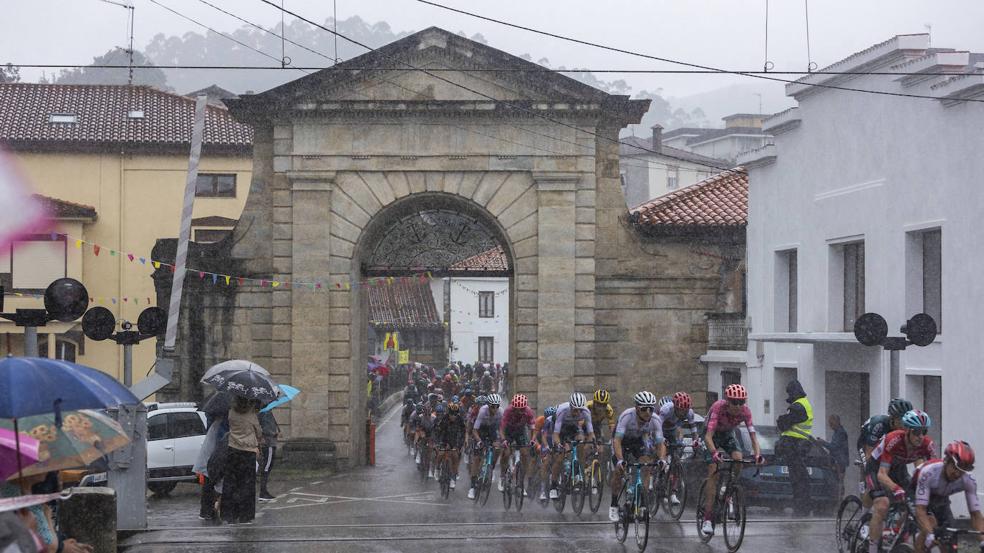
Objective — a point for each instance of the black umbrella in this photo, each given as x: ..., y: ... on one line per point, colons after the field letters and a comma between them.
x: 249, y: 384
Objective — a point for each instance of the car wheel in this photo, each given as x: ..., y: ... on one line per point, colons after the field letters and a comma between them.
x: 161, y: 488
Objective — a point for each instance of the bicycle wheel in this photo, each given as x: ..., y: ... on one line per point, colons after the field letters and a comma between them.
x: 595, y: 485
x: 859, y: 541
x: 520, y: 490
x: 641, y: 524
x: 900, y: 529
x: 848, y: 514
x: 677, y: 486
x: 655, y: 494
x: 425, y: 460
x: 734, y: 518
x: 445, y: 478
x: 507, y: 490
x: 622, y: 524
x: 700, y: 513
x: 562, y: 490
x: 579, y: 492
x: 486, y: 484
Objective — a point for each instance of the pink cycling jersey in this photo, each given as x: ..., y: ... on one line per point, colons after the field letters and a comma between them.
x: 514, y: 419
x: 932, y: 483
x: 720, y: 418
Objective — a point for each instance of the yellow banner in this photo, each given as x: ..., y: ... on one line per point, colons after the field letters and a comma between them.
x: 404, y: 357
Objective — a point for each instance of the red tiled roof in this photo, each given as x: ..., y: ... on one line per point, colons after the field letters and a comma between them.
x: 491, y: 260
x: 718, y: 201
x: 61, y: 209
x: 102, y: 118
x: 406, y: 303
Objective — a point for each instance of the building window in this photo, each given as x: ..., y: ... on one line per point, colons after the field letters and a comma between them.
x: 853, y: 283
x: 932, y: 276
x: 486, y: 305
x: 211, y: 185
x: 65, y: 350
x: 209, y: 235
x: 486, y: 349
x: 672, y: 178
x: 786, y: 289
x: 33, y: 263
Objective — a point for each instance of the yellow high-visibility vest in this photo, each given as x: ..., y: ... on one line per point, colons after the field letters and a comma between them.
x: 802, y: 430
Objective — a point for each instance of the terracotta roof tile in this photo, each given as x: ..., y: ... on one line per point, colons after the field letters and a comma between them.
x: 406, y: 303
x: 62, y: 209
x: 101, y: 113
x: 491, y: 260
x: 718, y: 201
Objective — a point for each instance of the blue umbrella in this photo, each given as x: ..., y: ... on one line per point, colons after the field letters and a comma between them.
x: 36, y: 386
x: 290, y: 393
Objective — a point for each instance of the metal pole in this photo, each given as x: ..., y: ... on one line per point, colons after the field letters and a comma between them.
x: 30, y: 341
x: 128, y: 365
x: 893, y: 370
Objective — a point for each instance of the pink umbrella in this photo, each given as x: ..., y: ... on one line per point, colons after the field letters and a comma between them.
x: 29, y: 450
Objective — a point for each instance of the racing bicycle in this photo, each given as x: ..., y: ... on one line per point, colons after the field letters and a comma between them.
x: 728, y: 509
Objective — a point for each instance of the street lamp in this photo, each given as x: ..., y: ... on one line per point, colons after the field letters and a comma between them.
x: 65, y: 300
x: 871, y: 329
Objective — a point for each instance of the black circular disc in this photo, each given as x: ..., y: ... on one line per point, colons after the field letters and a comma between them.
x: 152, y: 321
x: 871, y: 329
x: 98, y: 323
x: 921, y: 329
x: 66, y: 299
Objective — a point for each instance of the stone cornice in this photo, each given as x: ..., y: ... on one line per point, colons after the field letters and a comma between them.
x: 322, y: 181
x: 556, y: 181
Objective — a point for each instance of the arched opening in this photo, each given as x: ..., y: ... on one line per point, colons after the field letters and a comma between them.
x: 438, y: 289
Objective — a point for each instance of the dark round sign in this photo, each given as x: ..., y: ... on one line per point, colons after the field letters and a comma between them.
x: 871, y: 329
x: 152, y: 321
x: 66, y: 299
x: 920, y: 329
x: 98, y: 323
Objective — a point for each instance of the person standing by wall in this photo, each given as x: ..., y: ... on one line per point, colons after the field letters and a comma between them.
x: 238, y: 505
x: 268, y: 448
x: 794, y: 444
x: 839, y: 452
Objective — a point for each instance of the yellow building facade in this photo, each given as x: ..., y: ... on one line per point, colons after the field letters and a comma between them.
x: 131, y: 172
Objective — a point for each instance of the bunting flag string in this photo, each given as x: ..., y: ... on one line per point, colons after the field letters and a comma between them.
x: 228, y: 279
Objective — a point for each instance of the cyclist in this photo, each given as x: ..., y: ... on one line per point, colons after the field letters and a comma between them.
x: 543, y: 429
x: 602, y: 411
x: 484, y: 432
x: 485, y: 383
x: 449, y: 433
x: 875, y: 428
x: 470, y: 421
x: 934, y: 483
x: 723, y: 418
x: 517, y: 426
x: 467, y: 399
x: 675, y: 416
x: 572, y: 420
x: 637, y: 435
x: 886, y: 471
x: 440, y: 410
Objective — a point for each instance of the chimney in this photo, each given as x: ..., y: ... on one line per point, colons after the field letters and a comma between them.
x: 657, y: 137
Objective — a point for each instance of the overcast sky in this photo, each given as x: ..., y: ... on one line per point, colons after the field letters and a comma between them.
x: 723, y: 33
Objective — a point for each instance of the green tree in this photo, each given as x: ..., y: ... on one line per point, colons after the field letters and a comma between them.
x: 9, y: 74
x: 99, y: 75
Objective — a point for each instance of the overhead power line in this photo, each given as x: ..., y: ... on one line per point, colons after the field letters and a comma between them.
x: 484, y: 95
x: 756, y: 75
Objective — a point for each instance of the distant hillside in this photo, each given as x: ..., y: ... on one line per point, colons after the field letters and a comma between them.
x: 737, y: 98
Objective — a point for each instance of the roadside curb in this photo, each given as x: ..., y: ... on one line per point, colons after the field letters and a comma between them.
x: 393, y: 400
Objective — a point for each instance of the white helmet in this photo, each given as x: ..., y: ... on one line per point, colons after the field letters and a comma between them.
x: 578, y: 400
x: 644, y: 398
x: 494, y: 399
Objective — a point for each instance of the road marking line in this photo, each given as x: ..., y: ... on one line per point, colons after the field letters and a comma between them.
x: 392, y: 413
x: 316, y: 482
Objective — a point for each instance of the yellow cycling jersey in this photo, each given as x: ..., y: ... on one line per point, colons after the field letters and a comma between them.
x: 596, y: 419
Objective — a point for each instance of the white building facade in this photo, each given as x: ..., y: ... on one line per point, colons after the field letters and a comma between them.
x: 870, y: 203
x: 479, y: 319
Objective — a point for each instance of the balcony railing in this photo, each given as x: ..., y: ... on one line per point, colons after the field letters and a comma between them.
x: 726, y: 331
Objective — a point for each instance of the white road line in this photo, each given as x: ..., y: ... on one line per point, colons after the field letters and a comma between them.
x: 316, y: 482
x: 396, y: 409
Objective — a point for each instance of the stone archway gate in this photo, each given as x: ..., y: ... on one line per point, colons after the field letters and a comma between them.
x: 335, y: 149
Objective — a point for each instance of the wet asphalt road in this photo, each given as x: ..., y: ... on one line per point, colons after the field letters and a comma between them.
x: 388, y: 508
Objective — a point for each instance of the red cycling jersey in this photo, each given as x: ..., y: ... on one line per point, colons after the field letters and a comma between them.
x: 893, y: 450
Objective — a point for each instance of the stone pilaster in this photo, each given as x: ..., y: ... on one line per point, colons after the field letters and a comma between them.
x: 556, y: 272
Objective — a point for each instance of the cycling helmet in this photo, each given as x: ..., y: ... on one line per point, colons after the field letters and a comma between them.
x: 455, y: 399
x: 664, y: 400
x: 454, y: 408
x: 736, y: 391
x: 916, y: 419
x: 481, y: 400
x: 682, y: 401
x: 487, y: 373
x: 494, y: 399
x: 898, y: 407
x: 578, y: 400
x: 468, y: 391
x: 602, y: 396
x: 644, y: 398
x: 519, y: 401
x: 961, y: 454
x: 550, y: 411
x: 440, y: 409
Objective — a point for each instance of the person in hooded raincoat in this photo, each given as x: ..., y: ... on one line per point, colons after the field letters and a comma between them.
x: 795, y: 441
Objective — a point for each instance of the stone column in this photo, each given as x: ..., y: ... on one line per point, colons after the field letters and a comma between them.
x: 556, y: 298
x: 308, y: 330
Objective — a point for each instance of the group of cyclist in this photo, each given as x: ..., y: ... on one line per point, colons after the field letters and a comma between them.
x: 888, y: 444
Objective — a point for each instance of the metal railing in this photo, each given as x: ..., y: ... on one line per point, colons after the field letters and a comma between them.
x: 726, y: 331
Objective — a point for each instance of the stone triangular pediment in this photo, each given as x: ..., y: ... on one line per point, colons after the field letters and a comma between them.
x: 458, y: 69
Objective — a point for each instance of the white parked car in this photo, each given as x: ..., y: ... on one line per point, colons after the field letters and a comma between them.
x: 175, y: 432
